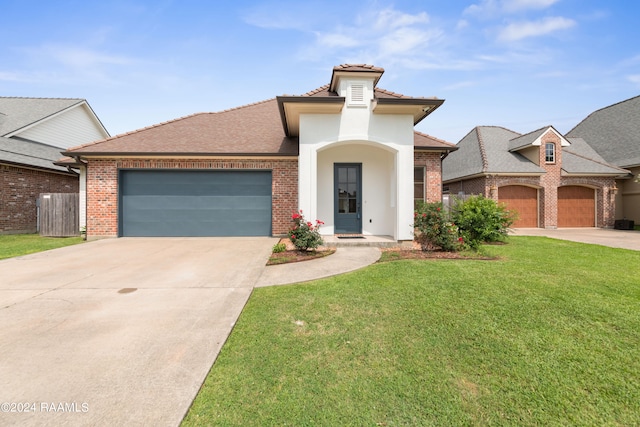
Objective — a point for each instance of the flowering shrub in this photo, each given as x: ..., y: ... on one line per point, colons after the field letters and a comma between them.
x: 304, y: 234
x: 482, y: 220
x: 433, y: 229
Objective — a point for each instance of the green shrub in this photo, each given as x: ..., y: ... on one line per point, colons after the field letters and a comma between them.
x: 304, y: 234
x: 279, y: 247
x: 434, y: 230
x: 482, y: 220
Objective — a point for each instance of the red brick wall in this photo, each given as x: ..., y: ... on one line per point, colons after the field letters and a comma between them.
x: 19, y: 190
x: 433, y: 170
x: 102, y: 188
x: 473, y: 186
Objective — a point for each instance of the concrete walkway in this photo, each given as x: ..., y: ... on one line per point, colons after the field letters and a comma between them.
x: 342, y: 261
x: 625, y: 239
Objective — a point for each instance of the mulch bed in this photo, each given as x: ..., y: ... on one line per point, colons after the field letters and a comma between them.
x: 297, y: 256
x: 389, y: 254
x: 393, y: 254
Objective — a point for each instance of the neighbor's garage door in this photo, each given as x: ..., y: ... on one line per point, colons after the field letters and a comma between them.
x: 576, y: 207
x: 523, y: 200
x: 194, y: 203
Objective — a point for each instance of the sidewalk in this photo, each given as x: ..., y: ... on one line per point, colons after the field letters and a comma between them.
x: 625, y: 239
x: 345, y: 259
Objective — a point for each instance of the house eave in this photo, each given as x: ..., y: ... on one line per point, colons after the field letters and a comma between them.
x: 143, y: 155
x: 418, y: 107
x: 599, y: 175
x: 40, y: 169
x: 485, y: 174
x: 438, y: 148
x: 291, y: 107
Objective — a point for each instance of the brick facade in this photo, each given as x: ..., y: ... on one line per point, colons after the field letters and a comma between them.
x: 102, y: 187
x: 19, y: 190
x: 433, y: 173
x: 547, y: 185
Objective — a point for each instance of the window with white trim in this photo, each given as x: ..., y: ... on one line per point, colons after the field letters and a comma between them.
x: 550, y: 152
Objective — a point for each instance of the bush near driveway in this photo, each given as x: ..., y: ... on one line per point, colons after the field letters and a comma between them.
x: 523, y: 341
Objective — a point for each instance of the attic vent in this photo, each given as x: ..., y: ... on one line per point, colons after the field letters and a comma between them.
x: 356, y: 95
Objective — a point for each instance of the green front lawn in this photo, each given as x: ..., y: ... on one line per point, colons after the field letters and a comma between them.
x: 547, y: 335
x: 12, y: 245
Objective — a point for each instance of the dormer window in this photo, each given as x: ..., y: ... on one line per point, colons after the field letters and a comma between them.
x: 355, y: 94
x: 550, y: 152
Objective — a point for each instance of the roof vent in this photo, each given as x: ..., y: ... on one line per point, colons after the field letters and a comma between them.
x: 356, y: 95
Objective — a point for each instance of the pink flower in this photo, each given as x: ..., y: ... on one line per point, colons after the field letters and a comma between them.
x: 295, y: 216
x: 424, y: 215
x: 309, y: 224
x: 460, y: 239
x: 293, y: 236
x: 438, y: 209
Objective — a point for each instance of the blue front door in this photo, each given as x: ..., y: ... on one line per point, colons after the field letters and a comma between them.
x: 347, y: 179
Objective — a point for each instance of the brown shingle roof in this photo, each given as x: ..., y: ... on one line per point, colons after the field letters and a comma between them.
x: 424, y: 141
x: 253, y: 129
x: 358, y: 67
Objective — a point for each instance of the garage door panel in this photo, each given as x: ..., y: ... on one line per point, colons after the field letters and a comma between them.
x: 576, y: 206
x: 523, y: 200
x: 195, y: 203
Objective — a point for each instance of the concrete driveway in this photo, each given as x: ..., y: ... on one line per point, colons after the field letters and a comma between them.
x: 625, y: 239
x: 119, y: 331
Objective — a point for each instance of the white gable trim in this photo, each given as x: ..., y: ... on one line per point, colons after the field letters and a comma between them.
x: 83, y: 104
x: 563, y: 140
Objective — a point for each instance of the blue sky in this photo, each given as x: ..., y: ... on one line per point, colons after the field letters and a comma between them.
x: 521, y: 64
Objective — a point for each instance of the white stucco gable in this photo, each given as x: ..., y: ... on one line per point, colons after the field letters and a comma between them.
x: 351, y: 126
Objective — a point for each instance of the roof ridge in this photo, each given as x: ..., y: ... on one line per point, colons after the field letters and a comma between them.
x: 433, y: 137
x: 499, y: 127
x: 534, y: 131
x: 239, y: 107
x: 602, y: 109
x: 483, y: 153
x: 317, y: 90
x: 388, y: 92
x: 368, y: 66
x: 41, y: 97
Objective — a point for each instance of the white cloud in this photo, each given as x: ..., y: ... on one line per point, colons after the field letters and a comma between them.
x: 336, y: 40
x: 8, y: 76
x: 634, y: 78
x: 382, y: 37
x: 516, y: 5
x: 521, y: 30
x: 405, y: 41
x: 494, y: 8
x: 460, y: 85
x: 463, y: 23
x: 391, y: 19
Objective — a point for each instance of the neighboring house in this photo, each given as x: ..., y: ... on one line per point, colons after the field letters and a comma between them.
x: 550, y: 180
x: 614, y: 132
x: 345, y: 153
x: 33, y: 133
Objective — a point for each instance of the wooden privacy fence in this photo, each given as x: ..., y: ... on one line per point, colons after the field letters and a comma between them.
x: 59, y: 214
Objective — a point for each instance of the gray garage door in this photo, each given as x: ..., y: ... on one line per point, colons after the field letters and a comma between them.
x: 195, y: 203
